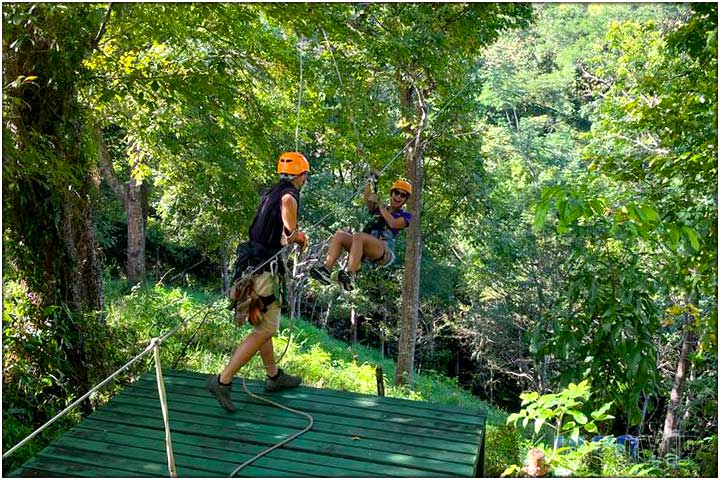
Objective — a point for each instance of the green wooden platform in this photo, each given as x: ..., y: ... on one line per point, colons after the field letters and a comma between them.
x: 354, y: 435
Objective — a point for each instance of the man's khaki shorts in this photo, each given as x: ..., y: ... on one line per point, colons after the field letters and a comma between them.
x: 263, y: 285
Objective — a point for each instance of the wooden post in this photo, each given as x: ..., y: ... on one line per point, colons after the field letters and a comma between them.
x: 536, y: 466
x: 164, y: 408
x: 353, y: 322
x: 380, y: 381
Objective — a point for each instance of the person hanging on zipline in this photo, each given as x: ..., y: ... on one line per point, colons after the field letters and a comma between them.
x: 376, y: 243
x: 256, y: 298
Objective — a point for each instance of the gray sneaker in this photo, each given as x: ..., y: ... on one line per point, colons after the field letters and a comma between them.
x: 220, y: 392
x: 283, y: 381
x: 346, y: 280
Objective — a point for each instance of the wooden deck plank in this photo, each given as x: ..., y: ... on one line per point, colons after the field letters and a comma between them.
x: 464, y: 442
x: 414, y: 457
x: 424, y: 457
x: 99, y: 460
x: 354, y: 435
x: 360, y: 399
x: 185, y: 445
x: 150, y: 461
x: 43, y: 466
x: 336, y: 454
x: 198, y: 454
x: 39, y: 473
x: 383, y: 413
x: 250, y: 408
x: 260, y: 443
x: 390, y: 405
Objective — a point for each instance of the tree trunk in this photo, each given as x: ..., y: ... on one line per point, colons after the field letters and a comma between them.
x: 136, y: 233
x: 224, y: 270
x: 133, y: 196
x: 683, y: 367
x: 48, y: 211
x: 413, y: 252
x: 82, y: 279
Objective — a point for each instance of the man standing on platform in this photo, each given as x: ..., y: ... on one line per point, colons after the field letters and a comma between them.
x: 275, y: 224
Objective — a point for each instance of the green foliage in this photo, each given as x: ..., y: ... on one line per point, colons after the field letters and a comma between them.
x: 40, y: 374
x: 561, y: 413
x: 604, y: 329
x: 502, y: 448
x: 552, y: 409
x: 669, y: 466
x: 705, y: 455
x: 653, y: 131
x: 644, y: 213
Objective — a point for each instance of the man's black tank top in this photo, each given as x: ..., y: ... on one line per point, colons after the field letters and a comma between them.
x: 267, y: 226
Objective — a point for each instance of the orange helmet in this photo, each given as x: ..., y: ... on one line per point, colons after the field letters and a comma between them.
x: 403, y: 185
x: 293, y: 163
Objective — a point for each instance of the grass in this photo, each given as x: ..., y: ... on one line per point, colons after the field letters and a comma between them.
x: 322, y: 361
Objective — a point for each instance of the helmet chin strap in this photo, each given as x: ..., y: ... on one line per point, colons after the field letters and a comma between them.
x: 299, y: 184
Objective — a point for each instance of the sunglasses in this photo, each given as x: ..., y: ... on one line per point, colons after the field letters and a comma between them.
x: 400, y: 193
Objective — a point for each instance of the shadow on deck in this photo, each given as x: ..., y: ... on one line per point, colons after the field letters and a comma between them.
x: 354, y: 435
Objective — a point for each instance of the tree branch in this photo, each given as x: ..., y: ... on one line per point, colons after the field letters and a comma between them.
x: 118, y: 187
x: 103, y: 26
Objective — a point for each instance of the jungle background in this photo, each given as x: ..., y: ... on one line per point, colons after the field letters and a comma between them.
x: 564, y: 158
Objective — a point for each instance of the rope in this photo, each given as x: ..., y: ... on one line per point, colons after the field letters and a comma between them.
x: 81, y: 399
x: 192, y: 337
x: 283, y: 442
x: 163, y: 406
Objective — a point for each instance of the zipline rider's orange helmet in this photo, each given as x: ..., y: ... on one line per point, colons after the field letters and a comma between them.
x: 403, y: 185
x: 293, y: 163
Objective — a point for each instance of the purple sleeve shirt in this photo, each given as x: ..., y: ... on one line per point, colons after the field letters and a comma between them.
x: 396, y: 214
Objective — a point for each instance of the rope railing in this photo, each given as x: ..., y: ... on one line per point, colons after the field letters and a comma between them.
x: 152, y: 346
x: 81, y: 399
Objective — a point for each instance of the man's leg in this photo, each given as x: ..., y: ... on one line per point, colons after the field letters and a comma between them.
x: 255, y: 341
x: 267, y: 353
x: 221, y: 385
x: 276, y: 378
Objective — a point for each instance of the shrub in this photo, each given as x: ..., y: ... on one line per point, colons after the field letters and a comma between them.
x: 562, y: 414
x: 706, y: 456
x: 502, y: 448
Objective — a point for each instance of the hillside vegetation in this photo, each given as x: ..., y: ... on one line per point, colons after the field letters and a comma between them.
x: 560, y: 265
